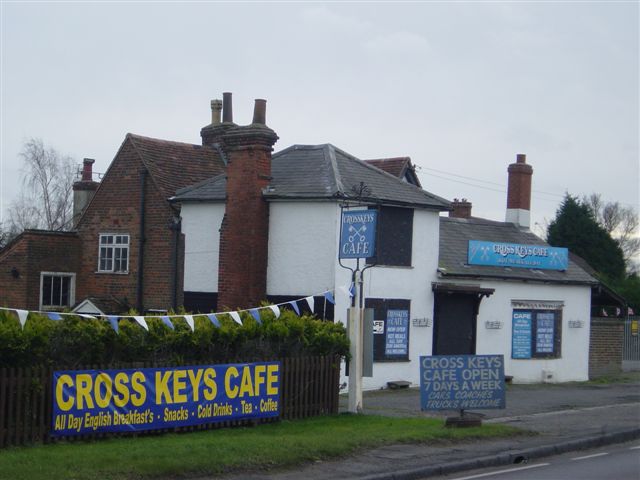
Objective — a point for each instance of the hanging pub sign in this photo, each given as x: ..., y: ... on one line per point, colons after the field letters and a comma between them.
x: 494, y: 254
x: 358, y: 234
x: 130, y: 400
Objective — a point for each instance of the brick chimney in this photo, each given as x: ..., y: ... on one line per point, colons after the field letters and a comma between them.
x: 83, y: 190
x: 519, y: 192
x: 461, y: 208
x: 244, y: 234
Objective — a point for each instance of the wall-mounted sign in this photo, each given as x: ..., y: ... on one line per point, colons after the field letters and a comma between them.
x: 358, y: 234
x: 378, y: 327
x: 545, y: 332
x: 397, y: 339
x: 521, y: 335
x: 94, y: 401
x: 462, y: 382
x: 496, y: 254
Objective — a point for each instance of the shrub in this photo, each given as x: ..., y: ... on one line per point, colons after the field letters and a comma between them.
x: 75, y: 341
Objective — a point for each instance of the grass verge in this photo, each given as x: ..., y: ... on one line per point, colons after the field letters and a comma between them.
x: 219, y: 451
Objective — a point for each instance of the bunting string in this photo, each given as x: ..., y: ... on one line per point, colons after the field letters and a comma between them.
x: 168, y: 319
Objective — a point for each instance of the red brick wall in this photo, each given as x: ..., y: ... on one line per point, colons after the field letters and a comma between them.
x: 244, y: 235
x: 605, y: 346
x: 115, y: 209
x: 519, y: 185
x: 35, y: 252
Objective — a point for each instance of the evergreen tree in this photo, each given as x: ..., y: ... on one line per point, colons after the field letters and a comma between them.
x: 576, y: 228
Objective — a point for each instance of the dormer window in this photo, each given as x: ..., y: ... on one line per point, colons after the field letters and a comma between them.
x: 114, y: 253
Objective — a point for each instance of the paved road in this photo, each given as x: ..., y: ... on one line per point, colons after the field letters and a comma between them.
x: 615, y: 462
x: 559, y: 413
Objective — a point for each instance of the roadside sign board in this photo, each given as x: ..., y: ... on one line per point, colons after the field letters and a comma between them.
x: 496, y: 254
x: 358, y: 234
x: 462, y: 382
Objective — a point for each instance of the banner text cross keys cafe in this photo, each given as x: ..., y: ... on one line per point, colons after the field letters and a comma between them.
x: 358, y: 234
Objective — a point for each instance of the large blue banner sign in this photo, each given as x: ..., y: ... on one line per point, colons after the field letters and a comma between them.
x: 495, y: 254
x: 358, y: 234
x: 92, y: 401
x: 462, y: 382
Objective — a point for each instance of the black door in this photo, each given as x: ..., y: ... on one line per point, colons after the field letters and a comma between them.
x: 455, y: 324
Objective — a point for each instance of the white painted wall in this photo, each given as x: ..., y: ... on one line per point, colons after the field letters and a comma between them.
x: 412, y: 283
x: 573, y: 365
x: 302, y: 253
x: 201, y: 227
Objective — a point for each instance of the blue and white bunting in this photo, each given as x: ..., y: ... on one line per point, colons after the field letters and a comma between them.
x: 294, y: 305
x: 276, y: 310
x: 329, y: 297
x: 311, y: 302
x: 236, y: 317
x: 255, y: 314
x: 167, y: 321
x: 22, y: 316
x: 190, y: 322
x: 113, y: 320
x: 212, y: 317
x: 54, y: 316
x: 141, y: 321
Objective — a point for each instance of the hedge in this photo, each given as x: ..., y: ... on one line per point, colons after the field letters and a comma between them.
x: 75, y: 341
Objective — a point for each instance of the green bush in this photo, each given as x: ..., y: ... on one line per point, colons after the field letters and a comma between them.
x: 75, y: 341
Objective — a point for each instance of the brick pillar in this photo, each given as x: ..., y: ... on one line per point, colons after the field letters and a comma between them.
x: 519, y: 192
x: 244, y: 234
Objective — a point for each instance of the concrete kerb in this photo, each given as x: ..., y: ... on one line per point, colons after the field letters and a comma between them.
x: 509, y: 458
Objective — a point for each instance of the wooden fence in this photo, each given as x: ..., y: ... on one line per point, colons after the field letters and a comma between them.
x: 309, y: 386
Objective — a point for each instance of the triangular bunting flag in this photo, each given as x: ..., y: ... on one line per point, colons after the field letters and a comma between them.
x: 142, y: 322
x: 84, y: 315
x: 276, y: 310
x: 329, y: 297
x: 54, y: 316
x: 255, y: 314
x: 22, y: 316
x: 236, y: 317
x: 352, y: 290
x: 294, y: 305
x: 214, y: 319
x: 167, y: 321
x: 113, y: 320
x: 190, y: 322
x: 311, y: 302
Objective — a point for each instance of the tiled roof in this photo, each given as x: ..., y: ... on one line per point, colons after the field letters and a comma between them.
x: 455, y: 234
x: 395, y: 166
x: 400, y: 167
x: 325, y: 172
x: 175, y: 165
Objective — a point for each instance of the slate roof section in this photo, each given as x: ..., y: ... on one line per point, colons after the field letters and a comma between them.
x: 316, y: 172
x: 175, y: 165
x: 455, y: 234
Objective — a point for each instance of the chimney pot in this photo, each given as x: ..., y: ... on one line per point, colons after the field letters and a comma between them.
x: 521, y: 158
x: 87, y: 169
x: 227, y: 108
x: 260, y: 111
x: 216, y: 112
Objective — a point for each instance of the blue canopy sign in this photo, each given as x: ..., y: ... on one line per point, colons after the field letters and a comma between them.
x: 129, y: 400
x: 494, y: 254
x: 358, y: 234
x: 462, y: 382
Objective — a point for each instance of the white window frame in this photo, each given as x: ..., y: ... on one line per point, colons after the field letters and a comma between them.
x: 72, y: 290
x: 113, y: 247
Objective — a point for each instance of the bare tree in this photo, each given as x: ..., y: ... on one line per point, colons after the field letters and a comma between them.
x: 620, y: 222
x: 46, y: 201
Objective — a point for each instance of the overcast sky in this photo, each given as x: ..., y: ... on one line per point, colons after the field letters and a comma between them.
x: 461, y: 87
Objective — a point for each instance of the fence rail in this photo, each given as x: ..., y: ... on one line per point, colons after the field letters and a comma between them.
x: 309, y: 386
